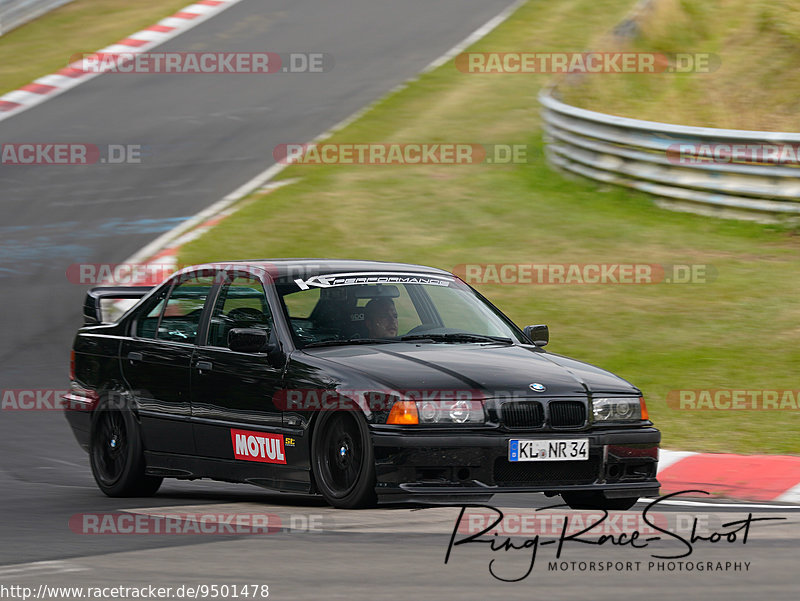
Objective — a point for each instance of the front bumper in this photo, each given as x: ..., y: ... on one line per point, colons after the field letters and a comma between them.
x: 622, y: 463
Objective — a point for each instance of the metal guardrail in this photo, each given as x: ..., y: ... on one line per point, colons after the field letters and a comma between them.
x: 14, y: 13
x: 642, y: 155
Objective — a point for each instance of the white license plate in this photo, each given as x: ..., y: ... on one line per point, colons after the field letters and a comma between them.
x: 573, y: 449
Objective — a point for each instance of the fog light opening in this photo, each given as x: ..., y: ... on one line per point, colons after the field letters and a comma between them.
x: 431, y: 474
x: 614, y: 471
x: 639, y: 470
x: 463, y: 473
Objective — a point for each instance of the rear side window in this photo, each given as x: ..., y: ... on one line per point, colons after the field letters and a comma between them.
x: 177, y: 318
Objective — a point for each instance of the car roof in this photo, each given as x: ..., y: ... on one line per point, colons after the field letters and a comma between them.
x: 279, y: 268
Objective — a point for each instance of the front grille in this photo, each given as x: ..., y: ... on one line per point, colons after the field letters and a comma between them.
x: 545, y: 472
x: 567, y: 413
x: 523, y: 414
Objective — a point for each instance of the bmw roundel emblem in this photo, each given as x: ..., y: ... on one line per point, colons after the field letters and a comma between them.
x: 536, y: 387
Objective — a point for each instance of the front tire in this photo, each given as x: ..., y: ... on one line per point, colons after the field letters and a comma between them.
x: 116, y: 454
x: 343, y: 460
x: 596, y: 500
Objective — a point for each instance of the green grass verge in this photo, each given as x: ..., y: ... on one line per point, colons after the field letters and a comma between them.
x: 741, y: 331
x: 46, y: 44
x: 756, y: 43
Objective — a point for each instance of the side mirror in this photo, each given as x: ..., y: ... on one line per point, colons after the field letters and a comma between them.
x: 539, y: 334
x: 247, y: 340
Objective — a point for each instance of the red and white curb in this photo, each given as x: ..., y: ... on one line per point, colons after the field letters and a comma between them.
x: 748, y: 477
x: 73, y: 75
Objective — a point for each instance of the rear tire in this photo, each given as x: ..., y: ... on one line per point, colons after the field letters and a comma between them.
x: 343, y: 460
x: 596, y: 500
x: 116, y: 453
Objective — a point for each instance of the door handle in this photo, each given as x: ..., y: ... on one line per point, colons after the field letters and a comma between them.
x: 201, y: 365
x: 134, y: 356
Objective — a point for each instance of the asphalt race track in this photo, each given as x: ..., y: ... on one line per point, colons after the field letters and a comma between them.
x: 399, y: 552
x: 204, y: 136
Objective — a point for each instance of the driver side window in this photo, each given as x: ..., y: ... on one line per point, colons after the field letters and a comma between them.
x: 242, y: 303
x: 181, y: 317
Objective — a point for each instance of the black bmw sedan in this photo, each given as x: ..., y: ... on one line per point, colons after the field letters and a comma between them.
x: 359, y: 381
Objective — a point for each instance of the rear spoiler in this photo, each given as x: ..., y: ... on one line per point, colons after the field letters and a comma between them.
x: 93, y: 305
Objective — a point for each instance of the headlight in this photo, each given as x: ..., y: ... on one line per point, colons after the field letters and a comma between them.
x: 618, y: 410
x: 450, y: 412
x: 428, y: 412
x: 436, y: 412
x: 460, y: 412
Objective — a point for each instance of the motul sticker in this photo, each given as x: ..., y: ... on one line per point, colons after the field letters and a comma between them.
x: 257, y: 446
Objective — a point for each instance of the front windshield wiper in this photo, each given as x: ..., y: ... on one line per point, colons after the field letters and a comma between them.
x: 353, y: 341
x: 451, y: 337
x: 458, y: 337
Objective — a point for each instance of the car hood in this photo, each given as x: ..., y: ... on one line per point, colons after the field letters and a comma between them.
x: 495, y: 370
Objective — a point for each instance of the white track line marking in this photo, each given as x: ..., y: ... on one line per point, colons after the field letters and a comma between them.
x: 724, y: 505
x: 39, y: 568
x: 476, y: 35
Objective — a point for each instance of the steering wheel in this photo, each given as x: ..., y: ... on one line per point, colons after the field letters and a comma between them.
x: 247, y: 314
x: 422, y: 328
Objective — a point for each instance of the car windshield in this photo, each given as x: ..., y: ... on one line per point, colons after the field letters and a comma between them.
x: 390, y: 308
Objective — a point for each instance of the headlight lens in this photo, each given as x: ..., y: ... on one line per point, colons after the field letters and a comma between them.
x: 460, y: 412
x: 428, y: 412
x: 450, y: 412
x: 617, y: 410
x: 603, y: 409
